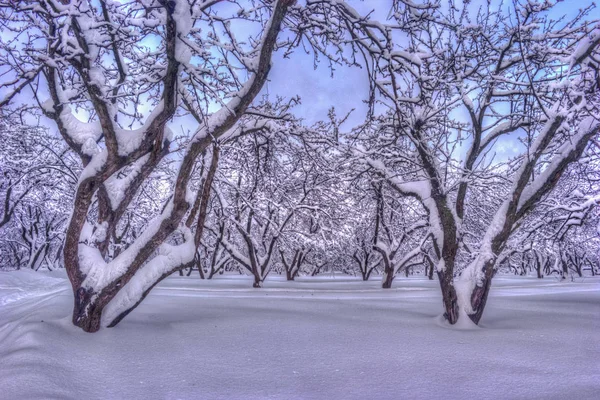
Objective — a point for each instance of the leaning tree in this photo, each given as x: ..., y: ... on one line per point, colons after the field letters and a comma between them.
x: 111, y: 75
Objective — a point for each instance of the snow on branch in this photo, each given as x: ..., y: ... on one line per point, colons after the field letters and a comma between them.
x: 169, y: 258
x: 567, y: 153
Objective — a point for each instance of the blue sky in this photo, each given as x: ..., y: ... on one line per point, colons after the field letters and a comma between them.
x: 348, y: 87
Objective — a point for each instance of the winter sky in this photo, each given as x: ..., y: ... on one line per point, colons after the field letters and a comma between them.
x: 347, y: 87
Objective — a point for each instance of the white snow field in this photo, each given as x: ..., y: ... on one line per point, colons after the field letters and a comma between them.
x: 318, y: 338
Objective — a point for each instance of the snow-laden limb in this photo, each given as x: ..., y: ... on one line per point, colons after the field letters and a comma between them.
x: 495, y: 228
x: 169, y: 257
x: 116, y: 187
x: 420, y: 189
x: 90, y: 258
x: 83, y: 134
x: 403, y: 262
x: 499, y: 130
x: 18, y: 84
x: 500, y: 219
x: 585, y: 47
x: 183, y: 19
x: 130, y: 140
x: 101, y: 274
x: 96, y: 164
x: 237, y: 255
x: 588, y: 127
x: 470, y: 277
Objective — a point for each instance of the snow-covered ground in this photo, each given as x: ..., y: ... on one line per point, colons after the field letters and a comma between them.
x: 319, y: 338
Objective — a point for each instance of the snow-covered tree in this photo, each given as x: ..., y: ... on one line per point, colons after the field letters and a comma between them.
x: 276, y: 200
x: 451, y: 86
x: 38, y: 179
x: 111, y: 76
x: 421, y: 183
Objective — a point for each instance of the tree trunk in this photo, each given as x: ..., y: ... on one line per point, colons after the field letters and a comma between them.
x: 364, y: 275
x: 449, y: 297
x: 369, y: 273
x: 258, y: 280
x: 480, y: 293
x: 564, y: 271
x: 87, y: 313
x: 289, y: 275
x: 388, y: 278
x: 538, y: 270
x: 200, y: 270
x: 538, y: 265
x: 89, y: 303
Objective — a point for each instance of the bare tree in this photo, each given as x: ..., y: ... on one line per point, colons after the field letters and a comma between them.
x: 118, y: 135
x: 517, y: 73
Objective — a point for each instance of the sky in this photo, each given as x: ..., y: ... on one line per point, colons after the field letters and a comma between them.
x: 347, y: 87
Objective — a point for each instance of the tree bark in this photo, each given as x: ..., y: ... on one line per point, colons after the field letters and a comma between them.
x: 87, y: 314
x: 258, y: 282
x: 449, y: 297
x: 388, y: 278
x: 480, y: 293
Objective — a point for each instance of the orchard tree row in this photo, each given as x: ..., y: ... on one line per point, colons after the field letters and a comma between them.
x: 98, y: 177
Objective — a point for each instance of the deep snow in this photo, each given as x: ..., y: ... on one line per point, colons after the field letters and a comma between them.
x: 318, y: 338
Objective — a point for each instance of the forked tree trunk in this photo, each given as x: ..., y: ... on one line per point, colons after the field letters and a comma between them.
x: 291, y: 269
x: 214, y: 271
x: 89, y: 303
x: 290, y: 275
x: 367, y: 275
x: 364, y: 274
